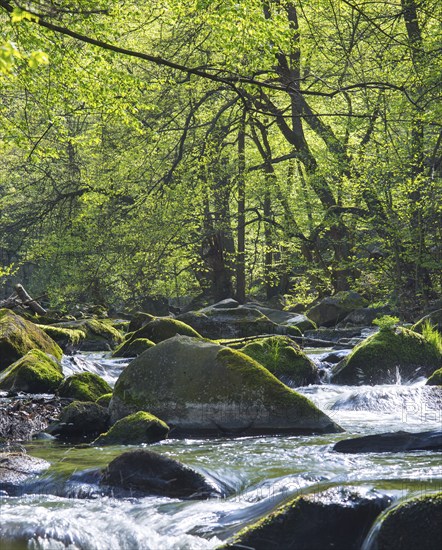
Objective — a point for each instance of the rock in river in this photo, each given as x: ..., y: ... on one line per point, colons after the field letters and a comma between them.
x: 396, y: 442
x: 16, y: 469
x: 200, y: 387
x: 143, y: 471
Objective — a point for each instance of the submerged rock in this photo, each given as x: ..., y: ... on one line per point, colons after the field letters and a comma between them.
x: 19, y: 336
x: 80, y: 419
x: 198, y: 386
x: 383, y: 356
x: 413, y: 524
x: 36, y: 372
x: 16, y: 469
x: 84, y: 386
x: 137, y: 428
x: 396, y: 442
x: 283, y: 358
x: 336, y: 519
x: 150, y: 473
x: 133, y: 348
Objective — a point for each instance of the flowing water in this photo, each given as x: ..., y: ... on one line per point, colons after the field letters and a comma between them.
x: 65, y: 508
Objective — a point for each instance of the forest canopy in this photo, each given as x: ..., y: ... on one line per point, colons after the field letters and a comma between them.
x: 247, y: 149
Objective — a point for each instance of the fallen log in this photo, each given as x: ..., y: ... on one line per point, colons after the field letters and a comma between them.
x: 26, y: 300
x: 301, y: 340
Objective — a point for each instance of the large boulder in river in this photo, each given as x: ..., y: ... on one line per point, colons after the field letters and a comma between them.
x: 332, y: 309
x: 335, y: 519
x: 283, y: 358
x: 387, y: 355
x: 415, y: 523
x: 135, y: 429
x: 237, y: 322
x: 162, y: 328
x: 146, y: 472
x: 201, y: 387
x: 18, y: 336
x: 84, y: 386
x: 68, y: 339
x: 36, y: 372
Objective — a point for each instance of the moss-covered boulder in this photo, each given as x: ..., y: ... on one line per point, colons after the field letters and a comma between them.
x: 338, y: 518
x: 332, y: 309
x: 84, y: 386
x: 162, y: 328
x: 80, y: 419
x: 139, y: 319
x: 384, y: 356
x: 68, y: 339
x: 236, y: 322
x: 281, y: 317
x: 436, y: 378
x: 133, y: 348
x: 137, y: 428
x: 283, y: 358
x: 18, y: 336
x: 415, y: 523
x: 146, y: 472
x: 100, y: 334
x: 104, y: 400
x: 198, y: 386
x: 36, y: 372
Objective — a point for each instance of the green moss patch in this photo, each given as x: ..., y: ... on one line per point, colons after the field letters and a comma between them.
x: 84, y: 386
x: 19, y: 336
x: 66, y: 338
x: 435, y: 379
x: 36, y: 372
x: 161, y: 329
x: 100, y: 334
x: 104, y: 400
x: 137, y: 428
x: 381, y: 357
x: 283, y: 358
x: 133, y: 348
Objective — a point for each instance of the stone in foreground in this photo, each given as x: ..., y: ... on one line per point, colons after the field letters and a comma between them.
x: 135, y: 429
x: 411, y: 525
x: 201, y: 387
x: 146, y: 472
x: 17, y: 469
x: 336, y: 519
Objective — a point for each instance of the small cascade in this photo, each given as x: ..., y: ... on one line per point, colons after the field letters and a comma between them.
x: 98, y: 363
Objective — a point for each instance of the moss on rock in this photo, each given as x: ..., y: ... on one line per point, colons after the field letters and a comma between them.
x: 84, y: 386
x: 68, y: 339
x: 36, y: 372
x: 19, y: 336
x: 133, y: 348
x: 137, y: 428
x: 162, y: 328
x: 415, y: 523
x: 381, y: 357
x: 283, y: 358
x: 100, y: 334
x: 80, y: 419
x: 435, y: 379
x: 198, y: 386
x: 104, y: 400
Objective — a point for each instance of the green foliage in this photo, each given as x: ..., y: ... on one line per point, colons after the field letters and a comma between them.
x: 432, y: 335
x: 386, y: 322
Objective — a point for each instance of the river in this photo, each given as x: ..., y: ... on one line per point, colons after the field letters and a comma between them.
x: 66, y: 509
